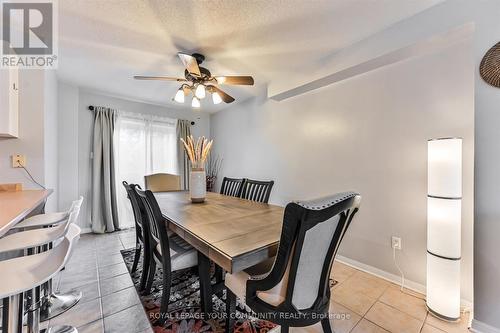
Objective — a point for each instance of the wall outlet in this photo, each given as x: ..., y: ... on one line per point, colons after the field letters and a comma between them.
x: 396, y: 243
x: 18, y: 161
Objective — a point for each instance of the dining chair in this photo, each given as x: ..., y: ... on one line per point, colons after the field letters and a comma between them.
x: 171, y: 252
x: 231, y: 186
x: 256, y: 190
x: 141, y: 236
x: 293, y: 289
x: 162, y: 182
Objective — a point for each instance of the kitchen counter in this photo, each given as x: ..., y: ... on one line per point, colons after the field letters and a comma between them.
x: 15, y: 206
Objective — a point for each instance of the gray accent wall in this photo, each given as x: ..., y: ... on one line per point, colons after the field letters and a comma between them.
x: 483, y: 16
x: 367, y: 134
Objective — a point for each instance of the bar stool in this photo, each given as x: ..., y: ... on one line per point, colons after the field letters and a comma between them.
x: 48, y: 219
x: 27, y: 274
x: 32, y: 239
x: 53, y: 304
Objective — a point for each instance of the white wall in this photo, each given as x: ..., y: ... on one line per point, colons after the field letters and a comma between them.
x: 37, y: 134
x: 76, y: 126
x: 368, y: 134
x: 50, y: 141
x: 68, y: 144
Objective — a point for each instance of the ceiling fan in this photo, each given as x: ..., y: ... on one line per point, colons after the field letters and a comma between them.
x: 198, y: 80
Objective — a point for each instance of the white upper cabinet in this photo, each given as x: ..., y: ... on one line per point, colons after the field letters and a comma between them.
x: 9, y: 103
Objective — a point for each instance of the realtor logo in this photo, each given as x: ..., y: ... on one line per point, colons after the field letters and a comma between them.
x: 29, y: 34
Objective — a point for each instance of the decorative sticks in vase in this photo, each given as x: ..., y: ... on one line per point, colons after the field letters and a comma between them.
x: 197, y: 154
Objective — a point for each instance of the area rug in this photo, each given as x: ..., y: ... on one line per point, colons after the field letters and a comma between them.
x: 184, y: 308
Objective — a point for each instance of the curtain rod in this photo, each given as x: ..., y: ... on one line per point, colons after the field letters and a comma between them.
x: 92, y: 108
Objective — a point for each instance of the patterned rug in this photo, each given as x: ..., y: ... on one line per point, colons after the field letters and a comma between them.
x: 185, y: 314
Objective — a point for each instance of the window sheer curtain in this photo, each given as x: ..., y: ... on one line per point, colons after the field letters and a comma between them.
x: 144, y: 145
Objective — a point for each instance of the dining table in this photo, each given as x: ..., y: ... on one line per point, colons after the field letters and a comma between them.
x: 231, y: 232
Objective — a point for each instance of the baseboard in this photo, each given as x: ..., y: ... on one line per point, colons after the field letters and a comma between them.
x: 480, y: 327
x: 420, y: 288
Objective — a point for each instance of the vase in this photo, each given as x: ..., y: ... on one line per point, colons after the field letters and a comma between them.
x: 197, y: 185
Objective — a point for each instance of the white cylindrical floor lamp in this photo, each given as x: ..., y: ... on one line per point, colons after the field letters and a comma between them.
x: 444, y: 219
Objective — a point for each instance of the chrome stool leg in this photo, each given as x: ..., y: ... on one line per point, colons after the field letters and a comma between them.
x: 33, y: 325
x: 13, y: 314
x: 60, y: 329
x: 33, y: 311
x: 54, y: 304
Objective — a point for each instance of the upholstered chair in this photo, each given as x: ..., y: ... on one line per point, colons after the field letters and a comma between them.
x: 293, y: 289
x: 168, y: 250
x: 162, y: 182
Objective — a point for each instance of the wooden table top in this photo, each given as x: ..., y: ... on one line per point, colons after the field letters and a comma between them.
x: 235, y: 233
x: 15, y: 206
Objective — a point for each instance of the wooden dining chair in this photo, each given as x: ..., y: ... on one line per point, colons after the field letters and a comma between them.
x: 141, y: 235
x: 293, y: 289
x: 169, y: 251
x: 256, y: 190
x: 162, y: 182
x: 231, y: 186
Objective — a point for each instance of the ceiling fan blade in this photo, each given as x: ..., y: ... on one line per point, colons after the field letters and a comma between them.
x: 164, y: 78
x: 190, y: 63
x: 225, y: 97
x: 235, y: 79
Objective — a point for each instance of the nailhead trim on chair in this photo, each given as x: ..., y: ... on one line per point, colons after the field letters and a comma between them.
x: 325, y: 202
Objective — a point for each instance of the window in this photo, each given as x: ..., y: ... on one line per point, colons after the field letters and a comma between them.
x: 143, y: 145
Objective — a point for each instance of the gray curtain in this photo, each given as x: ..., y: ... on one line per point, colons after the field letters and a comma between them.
x: 183, y: 131
x: 104, y: 208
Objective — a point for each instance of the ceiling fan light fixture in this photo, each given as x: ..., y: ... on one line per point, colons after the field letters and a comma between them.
x: 200, y: 91
x: 179, y: 96
x: 195, y: 103
x: 216, y: 98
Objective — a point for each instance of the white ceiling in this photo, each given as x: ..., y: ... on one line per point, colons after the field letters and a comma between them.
x: 103, y: 43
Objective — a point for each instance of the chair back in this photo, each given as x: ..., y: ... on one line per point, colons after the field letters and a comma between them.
x: 162, y: 182
x: 77, y: 204
x: 256, y: 190
x: 231, y: 186
x: 139, y: 214
x: 157, y: 227
x: 311, y: 235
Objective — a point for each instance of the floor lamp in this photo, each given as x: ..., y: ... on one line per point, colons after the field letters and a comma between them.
x: 444, y: 219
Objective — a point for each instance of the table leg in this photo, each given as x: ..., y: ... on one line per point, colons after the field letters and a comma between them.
x: 205, y: 284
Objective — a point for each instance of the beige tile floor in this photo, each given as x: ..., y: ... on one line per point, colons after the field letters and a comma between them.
x: 361, y: 302
x: 365, y: 304
x: 110, y: 302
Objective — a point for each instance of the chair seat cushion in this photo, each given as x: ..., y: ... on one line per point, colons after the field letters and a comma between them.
x: 42, y: 220
x: 182, y: 255
x: 237, y: 283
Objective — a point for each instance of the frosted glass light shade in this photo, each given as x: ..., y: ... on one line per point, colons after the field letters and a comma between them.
x: 443, y: 287
x: 444, y: 227
x: 444, y: 168
x: 200, y: 91
x: 216, y: 98
x: 195, y: 102
x: 179, y: 96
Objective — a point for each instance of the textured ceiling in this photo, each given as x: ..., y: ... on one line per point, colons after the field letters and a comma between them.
x: 104, y: 42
